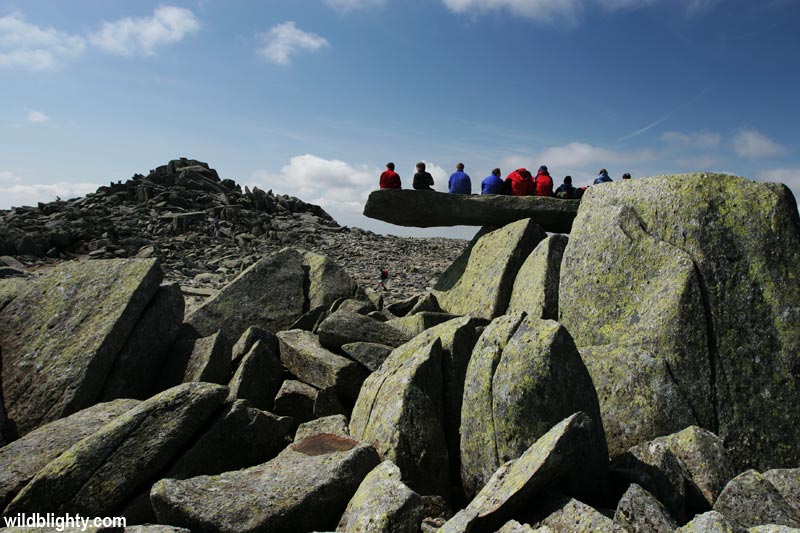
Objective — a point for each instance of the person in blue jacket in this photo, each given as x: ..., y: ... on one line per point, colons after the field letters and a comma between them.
x: 459, y: 181
x: 493, y: 183
x: 602, y: 177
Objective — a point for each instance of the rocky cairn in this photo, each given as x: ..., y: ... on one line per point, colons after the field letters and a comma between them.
x: 641, y: 375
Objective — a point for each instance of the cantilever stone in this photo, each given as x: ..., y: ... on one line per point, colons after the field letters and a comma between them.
x: 425, y: 209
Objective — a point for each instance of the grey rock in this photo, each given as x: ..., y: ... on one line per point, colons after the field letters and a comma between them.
x: 425, y: 209
x: 205, y: 359
x: 138, y: 365
x: 773, y: 528
x: 710, y: 522
x: 61, y: 337
x: 403, y: 307
x: 343, y: 327
x: 427, y: 304
x: 258, y: 378
x: 787, y: 481
x: 750, y: 500
x: 575, y: 515
x: 252, y: 335
x: 303, y: 355
x: 356, y: 306
x: 479, y: 283
x: 22, y: 459
x: 413, y: 325
x: 296, y: 399
x: 384, y: 504
x: 512, y: 526
x: 370, y: 354
x: 388, y: 412
x: 305, y: 488
x: 502, y: 413
x: 638, y: 511
x: 536, y: 285
x: 335, y: 424
x: 100, y: 472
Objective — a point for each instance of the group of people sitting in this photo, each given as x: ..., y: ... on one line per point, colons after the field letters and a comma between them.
x: 518, y: 183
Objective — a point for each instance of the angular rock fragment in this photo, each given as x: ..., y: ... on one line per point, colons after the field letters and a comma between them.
x: 710, y: 522
x: 639, y: 512
x: 383, y: 504
x: 21, y: 460
x: 334, y: 424
x: 479, y: 283
x: 97, y: 474
x: 512, y: 526
x: 258, y: 377
x: 61, y: 336
x: 787, y: 481
x: 536, y: 285
x: 413, y: 325
x: 305, y: 488
x: 207, y: 359
x: 296, y: 399
x: 370, y: 354
x: 750, y: 500
x: 252, y: 335
x: 343, y: 327
x: 391, y: 405
x: 302, y: 354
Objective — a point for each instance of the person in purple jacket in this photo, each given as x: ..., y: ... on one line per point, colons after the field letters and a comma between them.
x: 459, y: 181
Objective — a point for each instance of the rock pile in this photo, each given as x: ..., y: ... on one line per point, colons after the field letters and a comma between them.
x: 205, y: 231
x: 296, y: 400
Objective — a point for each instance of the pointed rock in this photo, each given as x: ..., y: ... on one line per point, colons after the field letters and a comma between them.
x: 258, y: 378
x: 206, y: 359
x: 750, y: 500
x: 536, y: 285
x: 639, y: 512
x: 252, y: 335
x: 710, y: 522
x: 787, y: 481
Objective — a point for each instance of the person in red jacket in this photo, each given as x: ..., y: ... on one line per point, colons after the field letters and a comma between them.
x: 389, y: 178
x: 519, y: 183
x: 544, y: 183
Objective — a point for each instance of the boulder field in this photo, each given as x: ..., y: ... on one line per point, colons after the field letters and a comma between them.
x: 640, y: 374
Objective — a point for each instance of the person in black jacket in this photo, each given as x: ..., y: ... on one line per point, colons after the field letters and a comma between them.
x: 423, y: 181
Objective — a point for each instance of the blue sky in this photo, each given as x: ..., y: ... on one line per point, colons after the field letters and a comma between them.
x: 313, y: 97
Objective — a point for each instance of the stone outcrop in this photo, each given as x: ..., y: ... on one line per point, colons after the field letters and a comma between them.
x: 525, y: 375
x: 425, y: 209
x: 97, y: 474
x: 21, y: 460
x: 536, y: 285
x: 698, y: 278
x: 383, y: 504
x: 62, y: 336
x: 305, y: 488
x: 479, y: 283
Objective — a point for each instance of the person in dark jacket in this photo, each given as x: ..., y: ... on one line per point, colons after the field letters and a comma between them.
x: 520, y: 182
x: 626, y: 176
x: 423, y: 181
x: 389, y: 178
x: 459, y: 181
x: 493, y: 183
x: 566, y: 190
x: 602, y: 177
x: 544, y: 183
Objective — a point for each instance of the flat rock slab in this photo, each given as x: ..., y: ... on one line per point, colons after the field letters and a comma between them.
x: 305, y: 488
x: 23, y: 458
x: 426, y: 209
x: 96, y: 475
x: 344, y: 327
x: 61, y: 337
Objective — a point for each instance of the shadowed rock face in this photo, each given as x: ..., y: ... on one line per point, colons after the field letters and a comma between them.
x: 426, y: 209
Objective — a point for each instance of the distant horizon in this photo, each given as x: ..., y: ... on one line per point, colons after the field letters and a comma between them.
x: 313, y: 98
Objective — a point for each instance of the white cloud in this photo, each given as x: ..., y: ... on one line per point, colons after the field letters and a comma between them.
x: 558, y: 10
x: 17, y: 195
x: 8, y: 177
x: 37, y: 116
x: 700, y: 140
x: 351, y: 5
x: 131, y: 36
x: 789, y: 176
x: 754, y: 144
x: 29, y: 46
x: 283, y: 41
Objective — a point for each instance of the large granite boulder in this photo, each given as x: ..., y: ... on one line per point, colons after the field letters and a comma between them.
x: 383, y: 504
x: 61, y: 337
x: 536, y: 285
x: 273, y: 293
x: 425, y: 209
x: 690, y: 284
x: 787, y: 482
x: 562, y: 454
x: 480, y: 281
x: 23, y: 458
x: 344, y: 327
x: 138, y: 365
x: 525, y: 376
x: 305, y: 488
x: 638, y: 511
x: 574, y: 515
x: 302, y: 354
x: 100, y: 472
x: 399, y: 411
